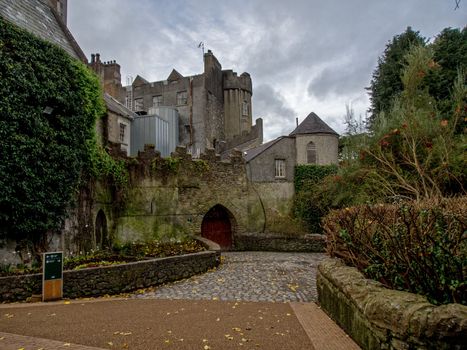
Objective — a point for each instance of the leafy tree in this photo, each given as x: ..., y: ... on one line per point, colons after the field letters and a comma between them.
x: 49, y: 103
x: 386, y: 83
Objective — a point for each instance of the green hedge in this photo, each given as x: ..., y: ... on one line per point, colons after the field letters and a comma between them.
x: 49, y: 103
x: 417, y: 247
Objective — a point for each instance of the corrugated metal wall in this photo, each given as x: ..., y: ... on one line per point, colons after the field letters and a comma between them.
x: 159, y: 129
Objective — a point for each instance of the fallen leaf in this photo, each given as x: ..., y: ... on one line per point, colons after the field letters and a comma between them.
x: 110, y: 343
x: 1, y: 338
x: 66, y: 344
x: 207, y: 347
x: 205, y: 340
x: 236, y: 329
x: 67, y: 302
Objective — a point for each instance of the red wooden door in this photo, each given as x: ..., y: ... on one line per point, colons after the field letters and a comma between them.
x: 217, y: 228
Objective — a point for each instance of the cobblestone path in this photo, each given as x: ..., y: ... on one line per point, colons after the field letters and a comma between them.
x: 249, y: 276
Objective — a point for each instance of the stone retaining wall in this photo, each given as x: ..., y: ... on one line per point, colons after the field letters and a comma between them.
x: 113, y: 279
x: 255, y: 242
x: 380, y: 318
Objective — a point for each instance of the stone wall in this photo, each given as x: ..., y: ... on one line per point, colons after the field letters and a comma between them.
x: 326, y: 148
x: 380, y: 318
x: 113, y: 279
x: 312, y: 243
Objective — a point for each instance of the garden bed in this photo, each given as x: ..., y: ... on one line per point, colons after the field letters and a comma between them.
x: 380, y: 318
x: 114, y: 279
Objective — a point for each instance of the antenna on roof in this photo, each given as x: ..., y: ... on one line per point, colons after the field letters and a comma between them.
x: 201, y: 46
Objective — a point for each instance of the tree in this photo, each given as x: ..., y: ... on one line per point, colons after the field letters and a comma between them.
x: 416, y: 153
x: 450, y: 55
x: 49, y: 103
x: 386, y: 83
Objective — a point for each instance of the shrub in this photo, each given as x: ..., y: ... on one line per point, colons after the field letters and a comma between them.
x: 417, y: 247
x: 307, y: 178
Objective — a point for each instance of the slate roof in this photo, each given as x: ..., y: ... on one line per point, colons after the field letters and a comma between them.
x: 313, y: 125
x: 38, y: 18
x: 116, y: 107
x: 253, y: 152
x: 174, y: 75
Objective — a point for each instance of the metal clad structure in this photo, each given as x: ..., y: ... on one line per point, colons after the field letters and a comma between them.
x: 160, y: 130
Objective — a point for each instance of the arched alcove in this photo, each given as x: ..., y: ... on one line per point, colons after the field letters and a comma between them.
x: 100, y: 231
x: 217, y: 226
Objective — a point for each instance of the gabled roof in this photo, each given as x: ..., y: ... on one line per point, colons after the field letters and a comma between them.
x: 139, y: 80
x: 313, y: 125
x: 40, y: 19
x: 254, y: 152
x: 116, y: 107
x: 174, y: 75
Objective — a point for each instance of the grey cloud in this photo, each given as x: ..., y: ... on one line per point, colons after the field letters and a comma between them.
x: 282, y: 44
x: 271, y: 105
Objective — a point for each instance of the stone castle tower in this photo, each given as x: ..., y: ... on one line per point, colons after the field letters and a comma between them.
x: 214, y: 107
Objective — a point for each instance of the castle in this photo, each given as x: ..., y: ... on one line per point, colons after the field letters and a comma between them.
x: 214, y: 108
x: 204, y: 116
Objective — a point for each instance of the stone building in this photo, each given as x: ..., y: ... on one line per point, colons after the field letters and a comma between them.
x: 270, y: 167
x: 214, y: 107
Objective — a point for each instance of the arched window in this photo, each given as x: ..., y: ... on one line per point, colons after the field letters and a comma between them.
x: 311, y: 153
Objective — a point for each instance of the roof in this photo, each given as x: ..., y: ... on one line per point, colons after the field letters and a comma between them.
x: 139, y: 80
x: 254, y: 152
x: 174, y: 75
x: 40, y: 19
x: 116, y: 107
x: 313, y: 125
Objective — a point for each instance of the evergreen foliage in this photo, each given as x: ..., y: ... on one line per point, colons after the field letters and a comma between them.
x: 386, y: 83
x: 49, y: 104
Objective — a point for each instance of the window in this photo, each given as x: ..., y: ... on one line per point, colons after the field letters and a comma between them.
x: 138, y: 104
x: 182, y: 98
x: 245, y: 108
x: 311, y: 153
x: 157, y: 101
x: 122, y: 132
x: 280, y: 168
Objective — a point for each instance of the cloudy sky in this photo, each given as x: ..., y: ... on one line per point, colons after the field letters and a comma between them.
x: 303, y: 55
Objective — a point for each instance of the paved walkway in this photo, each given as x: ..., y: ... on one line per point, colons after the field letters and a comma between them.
x: 249, y: 302
x: 249, y: 276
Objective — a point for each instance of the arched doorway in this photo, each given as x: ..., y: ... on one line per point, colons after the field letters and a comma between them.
x: 217, y: 227
x: 100, y: 230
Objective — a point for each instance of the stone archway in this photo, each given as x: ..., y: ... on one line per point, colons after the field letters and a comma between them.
x: 217, y: 226
x: 100, y: 231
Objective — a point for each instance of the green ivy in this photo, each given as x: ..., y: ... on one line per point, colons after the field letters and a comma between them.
x: 45, y: 151
x: 307, y: 177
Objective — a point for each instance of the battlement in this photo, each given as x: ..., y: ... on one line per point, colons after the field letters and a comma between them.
x: 232, y: 81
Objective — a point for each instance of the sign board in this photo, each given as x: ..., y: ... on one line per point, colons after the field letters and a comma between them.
x: 52, y: 276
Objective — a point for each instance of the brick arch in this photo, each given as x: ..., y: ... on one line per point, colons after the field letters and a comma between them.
x: 219, y: 225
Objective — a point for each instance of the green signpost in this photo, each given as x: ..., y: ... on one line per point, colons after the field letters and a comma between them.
x: 52, y: 276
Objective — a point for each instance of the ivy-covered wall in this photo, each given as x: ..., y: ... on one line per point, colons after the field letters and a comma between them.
x: 49, y: 104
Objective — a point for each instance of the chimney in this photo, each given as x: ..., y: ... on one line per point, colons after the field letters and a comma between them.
x: 296, y: 121
x: 93, y: 58
x: 98, y: 57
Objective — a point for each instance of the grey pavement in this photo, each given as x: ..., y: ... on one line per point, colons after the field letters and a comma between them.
x: 249, y: 276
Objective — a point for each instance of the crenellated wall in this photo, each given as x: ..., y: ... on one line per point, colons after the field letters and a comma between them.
x: 168, y: 197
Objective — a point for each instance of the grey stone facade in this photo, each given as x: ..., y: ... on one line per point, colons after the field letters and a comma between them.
x: 214, y: 106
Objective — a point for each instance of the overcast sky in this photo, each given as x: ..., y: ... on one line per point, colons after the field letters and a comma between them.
x: 303, y: 55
